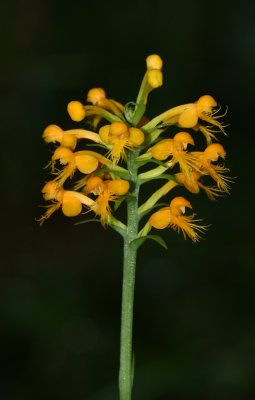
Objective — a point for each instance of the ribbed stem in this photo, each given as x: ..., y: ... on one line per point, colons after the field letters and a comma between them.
x: 129, y: 268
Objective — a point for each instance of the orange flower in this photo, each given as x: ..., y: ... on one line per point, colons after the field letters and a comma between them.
x: 189, y: 116
x: 194, y: 185
x: 204, y: 164
x: 70, y: 202
x: 106, y: 191
x: 97, y: 97
x: 154, y: 61
x: 176, y: 148
x: 203, y: 109
x: 76, y: 110
x: 119, y: 136
x: 54, y: 133
x: 85, y: 163
x: 173, y: 217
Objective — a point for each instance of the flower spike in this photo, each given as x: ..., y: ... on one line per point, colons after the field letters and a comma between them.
x: 127, y: 143
x: 127, y: 137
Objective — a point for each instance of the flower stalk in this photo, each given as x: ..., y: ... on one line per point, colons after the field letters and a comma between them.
x: 128, y: 285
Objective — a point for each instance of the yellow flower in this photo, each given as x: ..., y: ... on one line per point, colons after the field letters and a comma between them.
x: 204, y: 164
x: 119, y: 136
x: 189, y: 116
x: 172, y: 147
x: 97, y: 97
x: 85, y: 163
x: 54, y: 133
x: 176, y: 148
x: 173, y: 217
x: 194, y: 185
x: 155, y: 78
x: 154, y: 75
x: 51, y: 191
x: 154, y: 61
x: 191, y: 183
x: 70, y: 202
x: 76, y: 110
x: 106, y: 191
x: 203, y: 109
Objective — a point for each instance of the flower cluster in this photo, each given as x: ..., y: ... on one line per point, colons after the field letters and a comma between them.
x: 128, y: 143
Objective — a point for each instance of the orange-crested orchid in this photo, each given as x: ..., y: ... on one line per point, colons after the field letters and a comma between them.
x: 125, y: 136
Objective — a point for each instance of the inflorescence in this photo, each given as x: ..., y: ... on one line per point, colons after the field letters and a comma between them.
x: 121, y: 132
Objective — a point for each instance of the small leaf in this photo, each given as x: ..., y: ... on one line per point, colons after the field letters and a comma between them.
x: 143, y: 161
x: 87, y: 220
x: 95, y: 145
x: 139, y: 241
x: 163, y: 125
x: 101, y: 171
x: 158, y: 162
x: 129, y: 111
x: 119, y: 174
x: 162, y: 176
x: 119, y: 202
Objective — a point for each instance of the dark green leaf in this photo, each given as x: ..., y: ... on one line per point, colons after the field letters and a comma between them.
x: 87, y: 220
x: 119, y: 202
x: 162, y: 176
x: 95, y: 145
x: 139, y: 241
x: 129, y: 111
x: 150, y: 160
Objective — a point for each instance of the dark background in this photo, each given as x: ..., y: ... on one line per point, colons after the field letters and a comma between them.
x: 61, y: 284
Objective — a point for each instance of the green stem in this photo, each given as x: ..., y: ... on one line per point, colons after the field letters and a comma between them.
x: 138, y: 113
x: 129, y: 267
